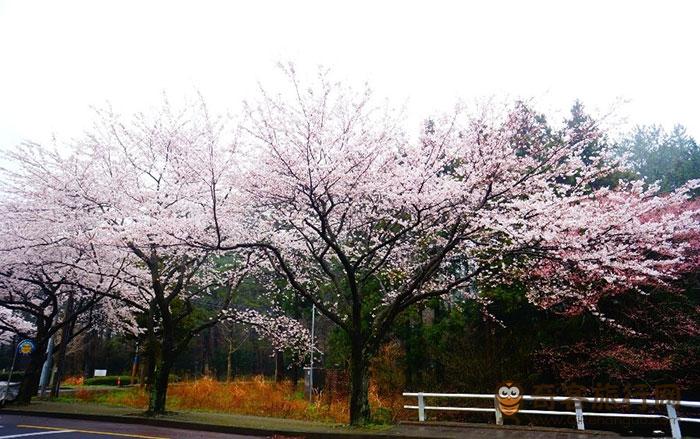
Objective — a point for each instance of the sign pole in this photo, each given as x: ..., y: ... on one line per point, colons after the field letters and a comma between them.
x: 24, y: 347
x: 9, y: 377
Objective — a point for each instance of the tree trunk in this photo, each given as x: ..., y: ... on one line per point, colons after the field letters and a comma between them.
x: 229, y: 361
x: 359, y: 385
x: 296, y: 373
x: 159, y: 387
x: 151, y: 356
x: 151, y: 347
x: 30, y: 382
x: 88, y: 353
x: 279, y: 366
x: 142, y: 375
x: 66, y: 336
x: 206, y: 353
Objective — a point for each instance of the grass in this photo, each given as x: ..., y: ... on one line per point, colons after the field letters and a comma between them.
x: 253, y: 397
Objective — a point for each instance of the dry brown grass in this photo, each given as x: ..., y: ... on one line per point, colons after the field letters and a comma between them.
x: 257, y: 396
x: 74, y: 381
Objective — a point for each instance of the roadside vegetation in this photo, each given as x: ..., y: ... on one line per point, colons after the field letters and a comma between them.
x: 255, y: 396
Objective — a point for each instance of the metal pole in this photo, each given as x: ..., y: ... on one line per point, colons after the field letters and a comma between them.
x: 311, y: 368
x: 43, y: 381
x: 673, y: 420
x: 421, y: 408
x: 9, y: 377
x: 579, y: 415
x: 499, y: 415
x: 135, y: 364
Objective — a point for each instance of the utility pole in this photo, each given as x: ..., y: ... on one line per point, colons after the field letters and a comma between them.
x: 311, y: 368
x: 9, y: 377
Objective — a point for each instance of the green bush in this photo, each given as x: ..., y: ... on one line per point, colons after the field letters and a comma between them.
x: 382, y: 415
x: 110, y: 380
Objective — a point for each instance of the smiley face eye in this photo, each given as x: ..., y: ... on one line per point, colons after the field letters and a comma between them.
x: 503, y: 392
x: 514, y: 392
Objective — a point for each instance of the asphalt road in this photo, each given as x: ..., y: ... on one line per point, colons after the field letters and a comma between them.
x: 21, y: 426
x: 18, y: 426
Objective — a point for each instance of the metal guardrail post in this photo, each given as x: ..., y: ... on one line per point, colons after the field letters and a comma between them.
x: 499, y: 415
x: 673, y: 419
x: 421, y: 408
x: 579, y: 415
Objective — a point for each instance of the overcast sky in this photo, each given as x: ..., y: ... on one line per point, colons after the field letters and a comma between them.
x: 59, y: 57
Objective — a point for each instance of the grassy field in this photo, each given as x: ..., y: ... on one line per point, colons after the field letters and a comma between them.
x: 257, y: 397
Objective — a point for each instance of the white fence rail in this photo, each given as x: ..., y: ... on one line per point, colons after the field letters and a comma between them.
x: 578, y: 412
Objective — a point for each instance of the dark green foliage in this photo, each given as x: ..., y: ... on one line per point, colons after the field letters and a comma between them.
x: 671, y: 158
x: 468, y: 349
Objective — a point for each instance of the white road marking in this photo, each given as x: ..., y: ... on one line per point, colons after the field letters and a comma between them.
x: 38, y: 433
x: 78, y: 430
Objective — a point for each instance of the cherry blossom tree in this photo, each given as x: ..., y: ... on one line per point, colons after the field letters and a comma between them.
x: 136, y: 185
x: 49, y: 282
x: 364, y: 222
x: 169, y: 213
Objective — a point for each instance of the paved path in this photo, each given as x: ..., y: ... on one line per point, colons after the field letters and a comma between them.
x: 31, y: 427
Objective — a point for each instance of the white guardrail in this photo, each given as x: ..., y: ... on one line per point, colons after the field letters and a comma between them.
x: 578, y: 412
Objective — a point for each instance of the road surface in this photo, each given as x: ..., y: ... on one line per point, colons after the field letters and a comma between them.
x: 37, y: 427
x: 34, y: 427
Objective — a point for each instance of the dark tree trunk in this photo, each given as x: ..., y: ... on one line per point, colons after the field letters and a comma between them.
x: 151, y: 354
x: 279, y: 366
x: 159, y: 387
x: 88, y: 353
x: 66, y: 336
x: 207, y: 341
x: 296, y: 373
x: 150, y: 367
x: 359, y: 384
x: 58, y: 375
x: 142, y: 375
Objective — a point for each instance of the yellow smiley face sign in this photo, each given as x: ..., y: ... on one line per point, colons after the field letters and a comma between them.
x: 25, y: 347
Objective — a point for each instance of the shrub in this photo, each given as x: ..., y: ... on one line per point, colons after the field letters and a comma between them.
x: 74, y: 381
x: 110, y: 380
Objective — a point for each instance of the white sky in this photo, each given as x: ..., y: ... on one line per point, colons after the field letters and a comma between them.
x: 59, y: 57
